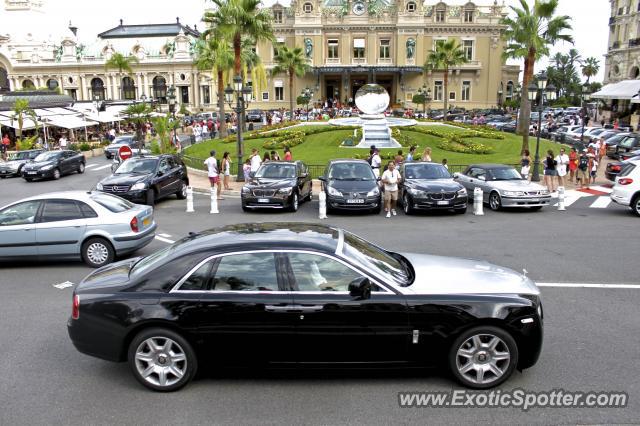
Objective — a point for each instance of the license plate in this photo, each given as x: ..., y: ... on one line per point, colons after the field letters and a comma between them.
x: 534, y: 200
x: 355, y: 201
x: 443, y: 203
x: 32, y: 173
x: 263, y: 200
x: 146, y: 221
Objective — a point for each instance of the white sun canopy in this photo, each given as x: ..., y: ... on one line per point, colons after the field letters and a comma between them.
x: 68, y: 122
x: 27, y: 123
x: 627, y: 89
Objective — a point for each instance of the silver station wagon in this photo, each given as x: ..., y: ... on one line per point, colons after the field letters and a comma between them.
x: 93, y: 226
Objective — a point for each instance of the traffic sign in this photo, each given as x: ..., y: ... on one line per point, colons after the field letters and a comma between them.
x: 125, y: 152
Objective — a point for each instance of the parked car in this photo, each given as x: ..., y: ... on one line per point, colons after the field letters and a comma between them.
x: 629, y: 143
x: 277, y: 184
x: 129, y: 140
x: 254, y: 116
x: 626, y: 190
x: 75, y: 224
x: 13, y: 166
x: 430, y: 186
x: 615, y: 167
x: 351, y: 185
x: 306, y: 294
x: 146, y: 179
x: 503, y: 187
x: 53, y: 164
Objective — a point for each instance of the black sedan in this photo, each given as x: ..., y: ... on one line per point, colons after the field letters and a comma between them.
x: 629, y: 143
x: 53, y: 164
x: 277, y: 184
x: 299, y: 294
x: 13, y: 166
x: 147, y: 179
x: 351, y: 185
x: 430, y: 186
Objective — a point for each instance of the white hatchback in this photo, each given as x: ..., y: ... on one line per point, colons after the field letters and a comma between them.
x: 626, y: 190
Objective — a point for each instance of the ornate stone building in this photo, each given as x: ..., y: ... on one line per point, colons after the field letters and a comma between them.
x: 348, y: 43
x: 622, y: 61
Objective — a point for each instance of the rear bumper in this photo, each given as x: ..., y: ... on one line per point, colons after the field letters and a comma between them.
x: 128, y: 243
x: 621, y: 197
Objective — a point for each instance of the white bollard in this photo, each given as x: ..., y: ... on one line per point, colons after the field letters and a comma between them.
x: 322, y: 200
x: 190, y: 200
x: 477, y: 202
x: 214, y: 200
x: 561, y: 199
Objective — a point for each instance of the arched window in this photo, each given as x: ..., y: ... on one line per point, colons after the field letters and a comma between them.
x: 28, y: 84
x: 97, y: 88
x: 160, y: 89
x: 128, y: 89
x: 52, y: 84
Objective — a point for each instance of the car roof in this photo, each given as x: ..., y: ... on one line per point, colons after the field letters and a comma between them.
x: 67, y: 195
x: 346, y: 160
x: 491, y: 166
x: 282, y: 162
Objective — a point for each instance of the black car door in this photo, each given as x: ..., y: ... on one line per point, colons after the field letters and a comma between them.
x: 332, y: 326
x: 245, y: 315
x: 164, y: 178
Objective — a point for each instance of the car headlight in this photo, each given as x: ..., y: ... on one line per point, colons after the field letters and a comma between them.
x: 462, y: 192
x: 99, y: 186
x: 285, y: 191
x: 49, y: 167
x: 418, y: 193
x: 245, y: 190
x: 373, y: 193
x: 334, y: 192
x: 544, y: 192
x: 512, y: 193
x: 138, y: 186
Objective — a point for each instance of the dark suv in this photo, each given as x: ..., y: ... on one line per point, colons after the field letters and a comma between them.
x: 351, y: 185
x: 146, y: 179
x: 277, y: 184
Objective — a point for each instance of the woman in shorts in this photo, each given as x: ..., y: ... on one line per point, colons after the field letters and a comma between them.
x: 226, y: 170
x: 550, y: 171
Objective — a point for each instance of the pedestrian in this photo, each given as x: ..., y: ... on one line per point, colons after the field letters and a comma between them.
x: 63, y: 142
x: 213, y: 172
x: 4, y: 147
x: 226, y: 170
x: 390, y: 179
x: 376, y: 162
x: 275, y: 156
x: 583, y: 169
x: 573, y: 165
x: 550, y: 171
x: 602, y: 149
x: 525, y: 164
x: 426, y: 154
x: 266, y: 157
x: 562, y: 161
x: 593, y: 166
x: 411, y: 154
x: 287, y: 154
x: 255, y: 160
x: 616, y: 124
x: 246, y: 170
x: 399, y: 158
x: 444, y: 163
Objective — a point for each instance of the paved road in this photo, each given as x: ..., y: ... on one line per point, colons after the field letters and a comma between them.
x: 590, y: 341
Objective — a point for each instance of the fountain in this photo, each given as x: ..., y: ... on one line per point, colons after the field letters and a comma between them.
x: 373, y: 100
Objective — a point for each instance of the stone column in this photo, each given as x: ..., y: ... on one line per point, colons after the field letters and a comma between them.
x: 108, y: 92
x: 196, y: 91
x: 139, y: 85
x: 143, y: 90
x: 81, y: 88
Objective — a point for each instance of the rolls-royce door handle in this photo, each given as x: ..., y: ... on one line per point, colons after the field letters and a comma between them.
x: 293, y: 308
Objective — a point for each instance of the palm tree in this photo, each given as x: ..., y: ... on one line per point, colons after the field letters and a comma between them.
x: 139, y: 115
x: 447, y: 54
x: 21, y: 110
x: 528, y: 36
x: 590, y: 68
x: 292, y: 62
x: 252, y: 65
x: 122, y: 63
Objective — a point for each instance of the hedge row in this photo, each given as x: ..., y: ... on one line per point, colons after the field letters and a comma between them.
x: 455, y: 142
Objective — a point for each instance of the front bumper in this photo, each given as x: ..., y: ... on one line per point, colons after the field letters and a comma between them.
x: 343, y: 203
x: 540, y: 201
x: 425, y: 203
x: 7, y: 172
x: 37, y: 174
x: 137, y: 196
x: 273, y: 202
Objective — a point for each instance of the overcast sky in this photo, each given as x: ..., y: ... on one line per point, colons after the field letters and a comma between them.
x: 589, y: 18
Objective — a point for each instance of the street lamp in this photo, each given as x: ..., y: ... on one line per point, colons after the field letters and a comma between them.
x: 500, y: 93
x: 537, y: 93
x: 426, y: 97
x: 307, y: 94
x: 584, y: 96
x: 517, y: 93
x: 171, y: 97
x: 243, y: 95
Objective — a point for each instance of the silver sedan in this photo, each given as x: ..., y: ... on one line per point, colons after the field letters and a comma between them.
x: 93, y: 226
x: 503, y: 186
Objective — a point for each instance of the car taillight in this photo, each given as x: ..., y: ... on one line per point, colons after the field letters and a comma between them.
x: 625, y: 181
x: 134, y: 224
x: 616, y: 168
x: 75, y: 311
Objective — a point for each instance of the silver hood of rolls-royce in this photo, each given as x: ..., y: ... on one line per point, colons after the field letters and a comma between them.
x: 450, y: 275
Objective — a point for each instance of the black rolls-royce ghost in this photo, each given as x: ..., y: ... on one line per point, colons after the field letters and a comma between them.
x: 292, y: 294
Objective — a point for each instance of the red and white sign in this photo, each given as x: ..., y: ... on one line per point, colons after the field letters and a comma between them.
x: 125, y: 152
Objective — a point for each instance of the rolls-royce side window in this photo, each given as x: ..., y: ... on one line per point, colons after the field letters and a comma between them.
x: 198, y: 280
x: 246, y: 272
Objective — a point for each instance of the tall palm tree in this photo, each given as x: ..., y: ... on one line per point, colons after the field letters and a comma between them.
x: 292, y: 62
x: 528, y: 35
x: 123, y: 64
x: 446, y: 55
x: 20, y: 112
x: 590, y: 68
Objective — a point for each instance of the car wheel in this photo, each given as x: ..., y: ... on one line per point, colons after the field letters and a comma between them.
x: 294, y: 202
x: 81, y: 168
x: 494, y: 201
x: 150, y: 197
x: 406, y: 204
x: 310, y: 196
x: 182, y: 192
x: 162, y: 360
x: 483, y: 357
x: 635, y: 205
x: 56, y: 174
x: 97, y: 252
x: 461, y: 211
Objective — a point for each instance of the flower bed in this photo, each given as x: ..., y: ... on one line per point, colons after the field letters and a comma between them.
x: 286, y: 139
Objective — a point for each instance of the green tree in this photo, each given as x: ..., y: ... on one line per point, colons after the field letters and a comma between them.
x: 290, y: 61
x: 447, y: 54
x: 528, y: 35
x: 590, y: 68
x: 139, y: 115
x: 163, y: 127
x: 20, y: 112
x: 124, y: 64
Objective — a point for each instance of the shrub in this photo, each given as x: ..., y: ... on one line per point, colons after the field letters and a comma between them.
x: 84, y: 146
x: 74, y: 147
x: 289, y: 139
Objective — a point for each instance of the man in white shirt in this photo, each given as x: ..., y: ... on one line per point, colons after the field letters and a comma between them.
x: 213, y: 172
x: 376, y: 161
x: 255, y: 160
x: 63, y: 142
x: 562, y: 165
x: 390, y: 179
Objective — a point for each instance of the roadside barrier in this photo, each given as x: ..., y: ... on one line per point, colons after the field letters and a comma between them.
x: 477, y: 202
x: 189, y: 199
x: 322, y: 202
x: 214, y: 200
x: 561, y: 199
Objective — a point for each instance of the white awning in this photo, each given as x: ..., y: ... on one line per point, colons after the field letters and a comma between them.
x: 627, y: 89
x: 279, y: 39
x: 103, y: 117
x: 27, y: 123
x: 68, y: 122
x: 278, y: 83
x: 358, y: 42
